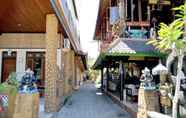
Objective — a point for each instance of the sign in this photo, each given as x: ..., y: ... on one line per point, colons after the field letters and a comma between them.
x: 139, y: 23
x: 162, y: 2
x: 153, y: 1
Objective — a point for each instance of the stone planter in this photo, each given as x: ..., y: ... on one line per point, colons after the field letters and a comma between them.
x: 147, y: 101
x: 26, y: 106
x: 9, y: 94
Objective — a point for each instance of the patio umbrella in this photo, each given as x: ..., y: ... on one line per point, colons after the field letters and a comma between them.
x: 160, y: 68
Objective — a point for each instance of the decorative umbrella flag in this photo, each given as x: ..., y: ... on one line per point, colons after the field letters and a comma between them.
x: 160, y: 68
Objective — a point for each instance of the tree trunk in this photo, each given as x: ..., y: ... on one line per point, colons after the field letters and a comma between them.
x: 178, y: 82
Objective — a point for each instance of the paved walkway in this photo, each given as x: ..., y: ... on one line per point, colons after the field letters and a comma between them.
x: 88, y: 103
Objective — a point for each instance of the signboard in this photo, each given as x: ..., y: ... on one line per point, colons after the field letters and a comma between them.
x: 163, y: 2
x: 153, y: 1
x: 139, y: 23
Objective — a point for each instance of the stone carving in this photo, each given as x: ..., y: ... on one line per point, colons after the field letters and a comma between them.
x: 28, y: 83
x: 146, y: 80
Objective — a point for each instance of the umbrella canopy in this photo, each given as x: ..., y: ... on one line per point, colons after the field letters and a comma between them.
x: 160, y: 68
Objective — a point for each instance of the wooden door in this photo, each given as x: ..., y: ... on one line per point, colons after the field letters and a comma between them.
x: 9, y: 65
x: 36, y: 62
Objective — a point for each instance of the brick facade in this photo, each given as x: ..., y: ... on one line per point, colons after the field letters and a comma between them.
x: 51, y: 63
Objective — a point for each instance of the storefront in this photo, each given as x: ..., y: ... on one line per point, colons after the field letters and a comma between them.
x: 18, y: 60
x: 122, y: 66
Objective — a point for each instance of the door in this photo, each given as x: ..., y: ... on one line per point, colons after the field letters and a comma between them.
x: 36, y: 62
x: 9, y: 65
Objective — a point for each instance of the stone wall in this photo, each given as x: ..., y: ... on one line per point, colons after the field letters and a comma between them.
x: 23, y: 40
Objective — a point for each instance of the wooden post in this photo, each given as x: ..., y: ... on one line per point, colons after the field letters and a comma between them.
x: 51, y: 63
x: 121, y: 9
x: 148, y: 13
x: 121, y: 68
x: 126, y: 9
x: 132, y: 10
x: 102, y: 79
x: 107, y: 72
x: 139, y: 10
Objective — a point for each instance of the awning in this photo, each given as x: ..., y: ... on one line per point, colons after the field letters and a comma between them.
x: 124, y: 48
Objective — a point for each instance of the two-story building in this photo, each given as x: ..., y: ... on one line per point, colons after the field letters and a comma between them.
x: 123, y: 29
x: 42, y: 35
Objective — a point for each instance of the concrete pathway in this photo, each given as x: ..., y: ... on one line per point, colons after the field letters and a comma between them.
x: 89, y: 103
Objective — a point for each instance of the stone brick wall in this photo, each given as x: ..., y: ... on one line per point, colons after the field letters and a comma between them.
x: 51, y: 64
x: 23, y: 40
x: 147, y: 101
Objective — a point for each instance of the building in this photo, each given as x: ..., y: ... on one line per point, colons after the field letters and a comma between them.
x: 42, y: 35
x: 123, y: 29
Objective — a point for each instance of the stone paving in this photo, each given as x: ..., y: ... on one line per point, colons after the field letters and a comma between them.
x: 89, y: 103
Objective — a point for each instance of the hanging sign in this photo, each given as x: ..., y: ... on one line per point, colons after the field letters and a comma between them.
x: 163, y: 2
x: 153, y: 1
x: 139, y: 23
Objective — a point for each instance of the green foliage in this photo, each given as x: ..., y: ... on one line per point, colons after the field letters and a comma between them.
x: 171, y: 34
x: 12, y: 80
x: 182, y: 11
x: 10, y: 85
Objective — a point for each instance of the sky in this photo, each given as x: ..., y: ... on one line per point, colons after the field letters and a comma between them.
x: 87, y: 10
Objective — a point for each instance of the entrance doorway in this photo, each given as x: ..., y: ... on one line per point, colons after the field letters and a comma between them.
x: 36, y: 62
x: 8, y: 65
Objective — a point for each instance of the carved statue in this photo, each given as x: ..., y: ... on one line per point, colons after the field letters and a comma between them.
x: 146, y: 80
x: 27, y: 84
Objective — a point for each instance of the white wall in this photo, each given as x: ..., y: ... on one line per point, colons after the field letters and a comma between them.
x: 1, y: 64
x: 20, y: 63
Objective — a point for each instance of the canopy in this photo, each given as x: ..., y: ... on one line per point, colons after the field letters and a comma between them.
x: 160, y: 68
x: 124, y: 48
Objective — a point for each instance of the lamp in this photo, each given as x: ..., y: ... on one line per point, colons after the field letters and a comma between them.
x: 9, y: 52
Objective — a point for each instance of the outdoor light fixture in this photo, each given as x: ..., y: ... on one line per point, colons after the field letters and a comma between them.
x: 9, y: 52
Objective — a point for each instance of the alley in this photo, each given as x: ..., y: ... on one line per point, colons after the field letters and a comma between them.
x: 89, y: 103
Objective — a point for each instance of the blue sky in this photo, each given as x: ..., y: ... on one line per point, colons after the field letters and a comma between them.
x: 87, y: 10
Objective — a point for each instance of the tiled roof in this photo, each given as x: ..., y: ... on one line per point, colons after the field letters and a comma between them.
x: 125, y: 47
x: 131, y: 46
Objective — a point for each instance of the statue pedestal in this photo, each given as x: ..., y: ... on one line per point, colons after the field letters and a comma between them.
x: 26, y: 106
x: 147, y: 101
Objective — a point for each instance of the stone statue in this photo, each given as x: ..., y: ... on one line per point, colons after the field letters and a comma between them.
x: 28, y: 83
x: 146, y: 80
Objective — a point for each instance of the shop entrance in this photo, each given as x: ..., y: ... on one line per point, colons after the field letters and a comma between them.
x: 8, y: 65
x: 36, y: 62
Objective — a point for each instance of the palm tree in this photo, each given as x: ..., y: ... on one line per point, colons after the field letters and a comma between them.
x: 171, y: 38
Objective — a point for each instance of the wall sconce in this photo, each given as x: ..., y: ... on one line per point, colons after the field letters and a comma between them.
x: 9, y: 52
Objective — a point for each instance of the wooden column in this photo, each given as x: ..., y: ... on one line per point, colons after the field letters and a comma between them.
x: 107, y: 73
x: 139, y: 10
x: 102, y: 79
x: 121, y: 9
x: 51, y: 63
x: 148, y: 13
x: 121, y: 68
x: 132, y: 10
